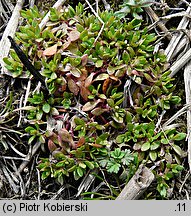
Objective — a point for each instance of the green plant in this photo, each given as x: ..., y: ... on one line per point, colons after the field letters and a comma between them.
x: 13, y: 64
x: 107, y: 92
x: 41, y: 107
x: 133, y: 7
x: 116, y: 159
x: 164, y: 177
x: 145, y: 140
x: 35, y: 133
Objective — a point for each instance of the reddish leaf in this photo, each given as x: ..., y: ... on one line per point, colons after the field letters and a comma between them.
x: 51, y: 145
x: 74, y: 35
x: 81, y: 141
x: 50, y: 50
x: 83, y: 75
x: 66, y: 45
x: 84, y: 59
x: 73, y: 87
x: 135, y: 72
x: 84, y: 92
x: 106, y: 84
x: 89, y: 79
x: 96, y: 145
x: 54, y: 138
x: 65, y: 135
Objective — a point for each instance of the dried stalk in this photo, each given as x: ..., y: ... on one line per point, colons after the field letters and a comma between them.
x: 176, y: 115
x: 137, y: 185
x: 10, y: 30
x: 179, y: 64
x: 176, y: 38
x: 187, y: 81
x: 28, y: 158
x: 161, y: 25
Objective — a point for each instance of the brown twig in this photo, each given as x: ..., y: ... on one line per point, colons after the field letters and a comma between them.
x: 161, y: 25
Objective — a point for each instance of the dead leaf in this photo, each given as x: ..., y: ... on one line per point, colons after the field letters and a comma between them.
x: 50, y: 50
x: 74, y: 35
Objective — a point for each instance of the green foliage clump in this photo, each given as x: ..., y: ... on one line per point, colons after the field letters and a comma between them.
x: 107, y: 89
x: 133, y: 7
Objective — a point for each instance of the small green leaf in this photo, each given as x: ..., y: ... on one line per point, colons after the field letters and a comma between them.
x: 46, y: 108
x: 128, y: 116
x: 29, y: 128
x: 153, y: 155
x: 128, y: 157
x: 120, y: 138
x: 103, y: 162
x: 111, y: 102
x: 102, y: 76
x: 175, y: 99
x: 154, y: 145
x: 126, y: 57
x: 148, y: 77
x: 145, y: 146
x: 113, y: 167
x: 178, y: 150
x: 7, y: 60
x: 89, y: 164
x: 117, y: 153
x: 99, y: 63
x: 72, y: 168
x: 39, y: 115
x: 79, y: 171
x: 82, y: 165
x: 45, y: 174
x: 179, y: 136
x: 54, y: 111
x: 41, y: 139
x: 31, y: 139
x: 164, y: 141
